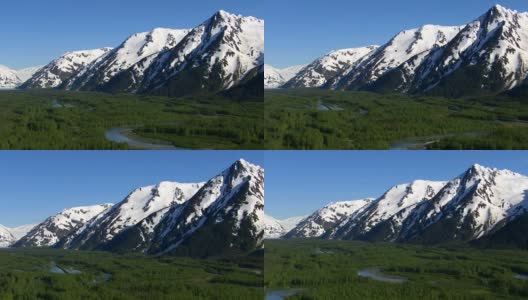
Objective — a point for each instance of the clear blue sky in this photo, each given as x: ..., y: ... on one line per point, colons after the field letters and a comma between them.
x: 33, y: 32
x: 298, y: 31
x: 300, y: 182
x: 36, y: 184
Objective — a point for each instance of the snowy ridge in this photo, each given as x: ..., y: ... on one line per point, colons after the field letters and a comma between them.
x: 496, y: 43
x: 225, y: 48
x: 476, y: 201
x: 471, y: 206
x: 20, y: 231
x: 6, y: 237
x: 8, y: 78
x: 275, y: 78
x: 140, y: 47
x: 274, y: 229
x: 49, y: 232
x: 234, y: 197
x: 492, y: 50
x: 157, y: 219
x: 401, y: 48
x: 395, y: 205
x: 63, y: 68
x: 219, y: 54
x: 319, y: 72
x: 137, y: 206
x: 327, y: 217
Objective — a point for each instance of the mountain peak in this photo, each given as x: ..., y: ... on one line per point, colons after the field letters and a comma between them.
x: 245, y: 164
x: 501, y: 11
x: 499, y: 8
x: 222, y: 14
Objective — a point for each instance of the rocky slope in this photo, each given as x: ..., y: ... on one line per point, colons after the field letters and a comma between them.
x: 131, y: 58
x: 137, y: 206
x: 63, y: 68
x: 325, y: 68
x: 56, y: 227
x: 326, y: 218
x: 224, y: 53
x: 489, y: 55
x: 222, y: 216
x: 482, y: 205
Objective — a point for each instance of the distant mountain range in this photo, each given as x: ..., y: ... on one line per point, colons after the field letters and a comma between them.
x: 221, y: 216
x: 488, y: 55
x: 482, y: 205
x: 8, y: 236
x: 223, y: 53
x: 10, y: 79
x: 274, y: 77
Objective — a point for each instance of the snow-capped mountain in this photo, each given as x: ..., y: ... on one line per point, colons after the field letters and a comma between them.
x: 137, y: 206
x: 63, y: 68
x: 406, y: 45
x: 10, y: 79
x: 215, y: 56
x: 275, y: 78
x: 323, y: 69
x: 394, y: 205
x: 6, y: 237
x: 274, y: 229
x: 224, y: 53
x: 26, y: 73
x: 327, y: 218
x: 134, y: 55
x: 20, y: 231
x: 491, y: 52
x: 49, y: 232
x: 488, y: 55
x: 224, y: 216
x: 469, y: 207
x: 481, y: 205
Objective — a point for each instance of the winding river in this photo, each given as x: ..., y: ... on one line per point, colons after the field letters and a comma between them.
x: 126, y: 135
x: 376, y: 275
x: 281, y: 294
x: 421, y: 143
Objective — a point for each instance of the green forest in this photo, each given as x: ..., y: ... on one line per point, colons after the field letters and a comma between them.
x: 60, y: 274
x: 63, y: 120
x: 322, y: 119
x: 328, y: 269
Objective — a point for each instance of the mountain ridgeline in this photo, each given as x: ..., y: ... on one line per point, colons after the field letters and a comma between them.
x: 486, y: 56
x: 483, y: 206
x: 223, y: 216
x: 224, y: 53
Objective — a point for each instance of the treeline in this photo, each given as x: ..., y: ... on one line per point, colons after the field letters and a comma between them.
x: 301, y: 119
x: 49, y: 119
x: 329, y: 270
x: 24, y: 274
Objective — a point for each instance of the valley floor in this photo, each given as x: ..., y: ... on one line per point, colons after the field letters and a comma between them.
x: 330, y: 269
x: 322, y: 119
x: 52, y: 119
x: 60, y: 274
